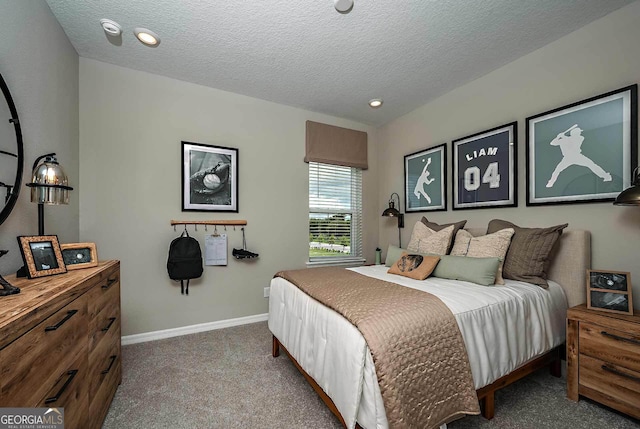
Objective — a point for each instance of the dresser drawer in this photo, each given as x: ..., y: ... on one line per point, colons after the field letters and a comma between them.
x: 99, y: 405
x: 32, y: 364
x: 102, y: 361
x: 611, y: 384
x: 70, y: 392
x: 105, y: 317
x: 106, y: 291
x: 610, y: 345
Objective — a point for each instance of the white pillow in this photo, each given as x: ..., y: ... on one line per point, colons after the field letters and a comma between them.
x: 486, y: 246
x: 426, y: 240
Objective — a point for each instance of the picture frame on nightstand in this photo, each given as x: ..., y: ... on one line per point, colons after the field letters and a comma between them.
x: 609, y: 291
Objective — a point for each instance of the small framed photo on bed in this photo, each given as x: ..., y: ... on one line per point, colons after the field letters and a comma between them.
x: 42, y: 255
x: 79, y: 255
x: 609, y: 291
x: 425, y: 180
x: 485, y: 169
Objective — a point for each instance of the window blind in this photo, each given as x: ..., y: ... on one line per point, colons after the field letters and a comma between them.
x: 335, y: 212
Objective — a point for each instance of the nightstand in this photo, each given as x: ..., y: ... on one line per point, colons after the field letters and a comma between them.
x: 603, y: 358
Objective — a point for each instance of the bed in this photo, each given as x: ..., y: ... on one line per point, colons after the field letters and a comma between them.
x: 509, y: 332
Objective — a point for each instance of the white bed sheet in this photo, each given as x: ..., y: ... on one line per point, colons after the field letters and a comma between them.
x: 503, y: 327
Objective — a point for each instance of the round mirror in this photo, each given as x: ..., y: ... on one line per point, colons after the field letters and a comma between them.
x: 10, y: 153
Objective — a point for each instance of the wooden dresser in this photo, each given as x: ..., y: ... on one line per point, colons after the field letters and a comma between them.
x: 603, y: 358
x: 60, y: 343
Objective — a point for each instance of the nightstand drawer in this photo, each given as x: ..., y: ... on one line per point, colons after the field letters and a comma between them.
x: 610, y: 345
x: 611, y: 384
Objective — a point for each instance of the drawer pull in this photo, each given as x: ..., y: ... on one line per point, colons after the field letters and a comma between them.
x: 60, y: 323
x: 111, y: 320
x: 619, y: 338
x: 71, y: 375
x: 109, y: 283
x: 620, y: 373
x: 113, y: 359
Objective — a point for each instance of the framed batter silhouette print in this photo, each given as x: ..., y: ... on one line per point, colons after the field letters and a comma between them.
x: 425, y: 180
x: 583, y: 152
x: 485, y: 169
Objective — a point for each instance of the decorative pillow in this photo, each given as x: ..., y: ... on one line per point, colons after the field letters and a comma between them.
x: 476, y: 270
x: 486, y: 246
x: 529, y: 255
x: 393, y: 254
x: 426, y: 240
x: 414, y: 266
x: 434, y: 226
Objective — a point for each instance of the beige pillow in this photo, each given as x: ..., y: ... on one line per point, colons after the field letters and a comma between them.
x: 493, y: 245
x: 426, y: 240
x: 436, y: 227
x: 414, y: 266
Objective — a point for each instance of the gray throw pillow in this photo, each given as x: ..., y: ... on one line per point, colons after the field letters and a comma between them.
x: 475, y: 270
x: 528, y: 256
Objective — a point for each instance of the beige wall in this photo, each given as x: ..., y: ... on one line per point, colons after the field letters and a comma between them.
x: 41, y: 70
x: 132, y: 124
x: 600, y: 57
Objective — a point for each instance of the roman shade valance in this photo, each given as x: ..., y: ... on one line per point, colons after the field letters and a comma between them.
x: 329, y: 144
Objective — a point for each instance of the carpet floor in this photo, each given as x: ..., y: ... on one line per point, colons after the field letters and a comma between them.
x: 228, y: 379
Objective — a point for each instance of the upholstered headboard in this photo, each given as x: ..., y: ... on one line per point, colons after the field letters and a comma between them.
x: 569, y: 264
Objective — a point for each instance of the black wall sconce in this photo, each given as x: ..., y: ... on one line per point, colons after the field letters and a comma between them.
x: 391, y: 211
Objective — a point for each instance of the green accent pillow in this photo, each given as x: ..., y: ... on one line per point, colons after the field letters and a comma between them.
x: 393, y: 254
x: 476, y: 270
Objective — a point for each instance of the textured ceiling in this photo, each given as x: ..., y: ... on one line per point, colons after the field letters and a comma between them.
x: 305, y: 54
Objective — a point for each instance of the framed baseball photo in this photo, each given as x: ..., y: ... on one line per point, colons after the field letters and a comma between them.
x: 425, y: 180
x: 583, y: 152
x: 485, y: 169
x: 209, y: 178
x: 609, y: 291
x: 79, y: 255
x: 42, y: 255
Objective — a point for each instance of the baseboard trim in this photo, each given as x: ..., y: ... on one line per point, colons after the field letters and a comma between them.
x: 193, y: 329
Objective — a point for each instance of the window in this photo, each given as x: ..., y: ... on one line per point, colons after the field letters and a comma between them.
x: 335, y: 213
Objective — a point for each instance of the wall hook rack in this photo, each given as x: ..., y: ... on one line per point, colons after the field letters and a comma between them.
x: 225, y: 223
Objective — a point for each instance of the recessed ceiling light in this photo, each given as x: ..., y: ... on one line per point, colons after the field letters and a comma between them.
x: 343, y: 6
x: 147, y: 37
x: 375, y: 103
x: 110, y: 27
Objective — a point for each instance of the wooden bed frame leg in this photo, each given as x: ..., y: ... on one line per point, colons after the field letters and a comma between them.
x: 275, y: 349
x: 556, y: 368
x: 488, y: 406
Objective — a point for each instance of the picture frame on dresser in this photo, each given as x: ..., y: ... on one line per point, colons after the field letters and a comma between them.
x: 209, y: 178
x: 484, y: 170
x: 609, y: 291
x: 77, y: 256
x: 425, y: 180
x: 583, y: 152
x: 42, y: 255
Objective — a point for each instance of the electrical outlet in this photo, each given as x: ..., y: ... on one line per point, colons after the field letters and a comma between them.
x: 266, y: 291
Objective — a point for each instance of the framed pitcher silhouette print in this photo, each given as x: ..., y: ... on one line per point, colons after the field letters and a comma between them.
x: 583, y: 152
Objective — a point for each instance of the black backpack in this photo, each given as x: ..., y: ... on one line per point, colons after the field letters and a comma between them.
x: 185, y: 260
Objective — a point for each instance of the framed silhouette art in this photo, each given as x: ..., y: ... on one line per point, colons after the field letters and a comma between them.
x: 583, y: 152
x: 425, y: 180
